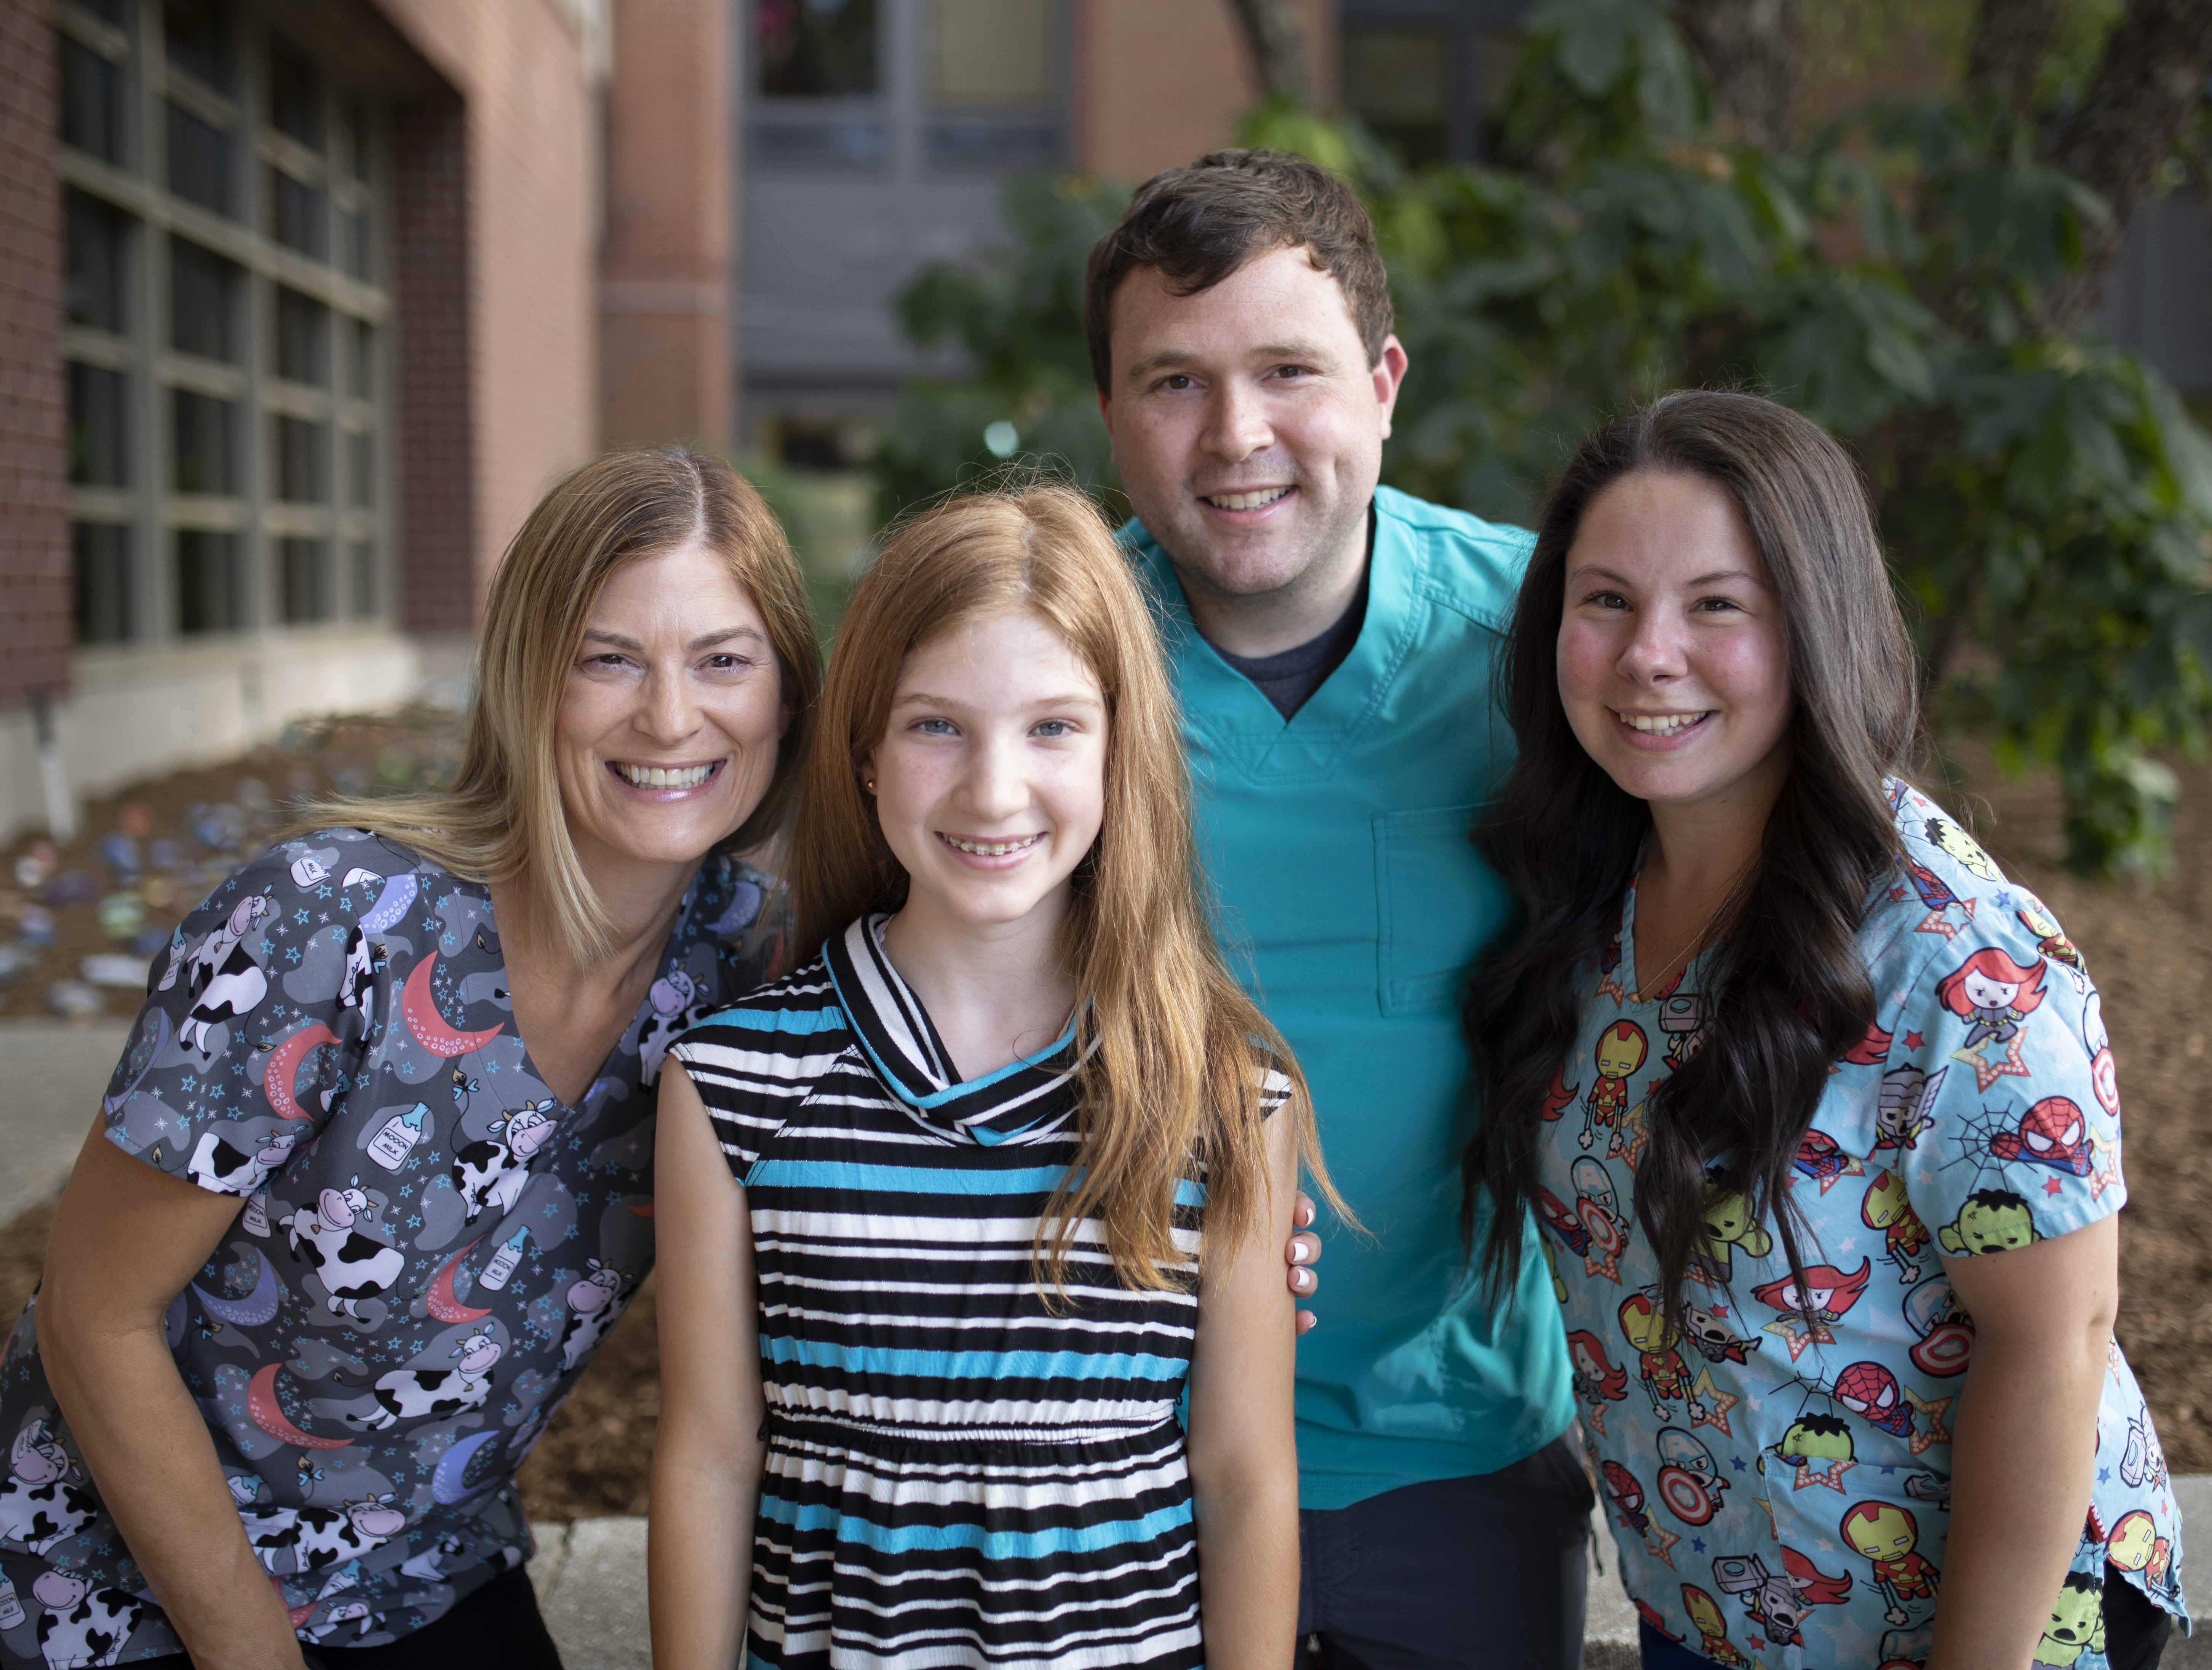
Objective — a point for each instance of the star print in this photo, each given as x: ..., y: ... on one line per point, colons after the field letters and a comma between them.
x: 1913, y: 1040
x: 1832, y: 1475
x: 1935, y: 1433
x: 1897, y: 895
x: 1986, y: 1072
x: 2051, y: 1186
x: 2104, y: 1475
x: 1737, y: 1462
x: 1697, y: 1545
x: 1709, y: 1405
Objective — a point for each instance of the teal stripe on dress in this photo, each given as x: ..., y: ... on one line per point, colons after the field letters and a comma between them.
x: 991, y: 1545
x: 988, y: 1365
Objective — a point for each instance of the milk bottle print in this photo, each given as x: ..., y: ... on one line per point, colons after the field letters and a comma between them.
x: 391, y: 1146
x: 256, y: 1218
x: 503, y: 1262
x: 11, y: 1609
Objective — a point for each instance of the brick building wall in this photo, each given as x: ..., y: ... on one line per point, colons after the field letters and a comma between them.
x: 529, y: 214
x: 666, y: 265
x: 1158, y: 82
x: 36, y: 603
x: 435, y: 429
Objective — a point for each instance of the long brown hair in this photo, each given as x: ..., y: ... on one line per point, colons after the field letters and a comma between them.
x: 1792, y: 992
x: 502, y: 816
x: 1181, y: 1051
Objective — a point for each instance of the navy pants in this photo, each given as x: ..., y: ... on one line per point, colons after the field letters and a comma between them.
x: 1460, y: 1574
x: 2135, y: 1630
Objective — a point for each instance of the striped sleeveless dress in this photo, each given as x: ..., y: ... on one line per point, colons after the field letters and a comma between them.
x: 955, y: 1475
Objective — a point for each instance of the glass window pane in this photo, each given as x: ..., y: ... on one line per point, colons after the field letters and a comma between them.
x: 199, y: 163
x: 204, y: 291
x: 303, y: 338
x: 302, y: 468
x: 102, y: 553
x: 92, y: 101
x: 356, y: 246
x: 196, y: 36
x: 295, y: 95
x: 210, y: 582
x: 297, y: 213
x: 360, y: 470
x: 1398, y: 80
x: 1000, y: 54
x: 364, y: 579
x: 361, y: 341
x: 92, y: 290
x: 357, y: 146
x: 816, y: 49
x: 98, y: 433
x: 309, y: 588
x: 206, y: 438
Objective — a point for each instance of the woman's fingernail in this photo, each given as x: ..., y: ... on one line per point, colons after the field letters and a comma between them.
x: 1302, y: 1280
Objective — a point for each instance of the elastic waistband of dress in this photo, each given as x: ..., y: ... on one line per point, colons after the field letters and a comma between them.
x: 830, y: 1427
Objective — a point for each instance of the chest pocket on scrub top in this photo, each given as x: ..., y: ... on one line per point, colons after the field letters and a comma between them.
x: 1436, y: 900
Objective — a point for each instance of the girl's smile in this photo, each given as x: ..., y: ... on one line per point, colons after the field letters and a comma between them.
x: 990, y: 778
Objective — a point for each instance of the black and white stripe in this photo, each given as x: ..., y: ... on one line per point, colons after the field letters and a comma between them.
x: 960, y: 1471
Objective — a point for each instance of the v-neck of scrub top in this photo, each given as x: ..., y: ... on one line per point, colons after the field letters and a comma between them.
x: 1235, y: 714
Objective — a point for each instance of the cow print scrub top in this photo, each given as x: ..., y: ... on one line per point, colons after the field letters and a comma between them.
x: 431, y: 1249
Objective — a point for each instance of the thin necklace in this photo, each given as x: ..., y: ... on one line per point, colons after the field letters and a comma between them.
x: 1643, y: 987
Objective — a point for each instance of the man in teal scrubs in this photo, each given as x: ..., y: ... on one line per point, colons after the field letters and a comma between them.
x: 1334, y: 641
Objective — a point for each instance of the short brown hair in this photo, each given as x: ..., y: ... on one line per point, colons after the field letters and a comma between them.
x: 1198, y: 225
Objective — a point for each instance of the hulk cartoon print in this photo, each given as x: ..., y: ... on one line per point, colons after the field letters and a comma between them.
x: 1812, y: 1479
x: 389, y: 1322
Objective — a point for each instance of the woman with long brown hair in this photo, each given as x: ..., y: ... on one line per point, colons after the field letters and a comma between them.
x: 373, y: 1180
x: 951, y: 1215
x: 1817, y: 1110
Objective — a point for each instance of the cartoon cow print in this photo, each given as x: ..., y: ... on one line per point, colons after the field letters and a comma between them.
x: 672, y: 996
x: 353, y: 1266
x: 82, y: 1625
x: 292, y: 1540
x: 491, y: 1172
x: 595, y: 1304
x: 40, y: 1504
x: 434, y: 1394
x: 218, y: 1166
x: 227, y: 981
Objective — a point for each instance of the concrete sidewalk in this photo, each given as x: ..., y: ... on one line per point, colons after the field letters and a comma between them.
x: 53, y: 1076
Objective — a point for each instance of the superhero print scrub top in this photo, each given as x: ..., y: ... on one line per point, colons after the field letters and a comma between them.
x: 431, y: 1248
x: 1779, y: 1487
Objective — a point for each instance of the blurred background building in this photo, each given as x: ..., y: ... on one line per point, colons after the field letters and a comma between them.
x: 303, y: 304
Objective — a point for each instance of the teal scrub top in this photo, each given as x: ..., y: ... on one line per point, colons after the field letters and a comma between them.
x: 1351, y: 903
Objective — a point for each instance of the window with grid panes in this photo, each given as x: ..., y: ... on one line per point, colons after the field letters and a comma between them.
x: 222, y: 314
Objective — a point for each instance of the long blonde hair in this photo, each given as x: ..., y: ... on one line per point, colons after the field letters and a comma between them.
x: 502, y: 816
x: 1182, y: 1050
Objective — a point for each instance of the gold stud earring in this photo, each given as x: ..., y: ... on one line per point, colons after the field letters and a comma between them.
x: 871, y: 785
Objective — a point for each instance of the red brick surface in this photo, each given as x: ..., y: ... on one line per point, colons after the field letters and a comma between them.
x: 664, y: 369
x: 37, y: 608
x: 1161, y: 82
x: 524, y: 325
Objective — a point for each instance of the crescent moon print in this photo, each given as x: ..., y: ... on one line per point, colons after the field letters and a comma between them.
x: 283, y: 1069
x: 391, y: 905
x: 251, y: 1312
x: 447, y: 1485
x: 261, y: 1406
x: 429, y: 1027
x: 440, y: 1301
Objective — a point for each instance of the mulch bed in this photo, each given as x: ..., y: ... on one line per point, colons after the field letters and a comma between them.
x: 2141, y: 942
